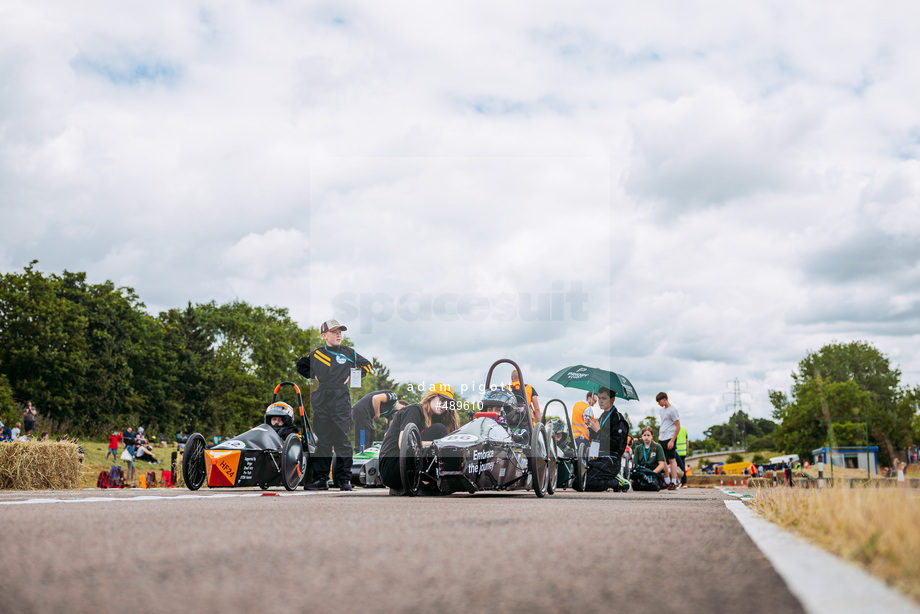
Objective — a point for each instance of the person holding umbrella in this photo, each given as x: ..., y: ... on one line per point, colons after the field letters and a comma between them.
x: 608, y: 435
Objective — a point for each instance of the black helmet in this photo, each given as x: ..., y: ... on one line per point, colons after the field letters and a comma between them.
x: 283, y: 410
x: 499, y: 400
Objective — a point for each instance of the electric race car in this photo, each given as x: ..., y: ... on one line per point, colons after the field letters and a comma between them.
x: 258, y: 457
x: 571, y: 460
x: 500, y: 449
x: 365, y: 467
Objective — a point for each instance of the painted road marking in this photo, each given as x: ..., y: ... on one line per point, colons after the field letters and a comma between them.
x: 731, y: 492
x: 822, y: 582
x: 155, y: 498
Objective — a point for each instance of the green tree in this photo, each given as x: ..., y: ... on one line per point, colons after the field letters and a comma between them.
x: 889, y: 417
x: 68, y: 345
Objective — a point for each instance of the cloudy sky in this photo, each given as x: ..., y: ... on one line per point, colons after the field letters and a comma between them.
x: 686, y: 193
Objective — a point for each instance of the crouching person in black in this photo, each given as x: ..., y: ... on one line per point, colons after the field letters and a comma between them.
x: 610, y: 431
x: 435, y: 417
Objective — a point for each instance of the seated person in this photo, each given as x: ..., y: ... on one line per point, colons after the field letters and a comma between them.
x: 649, y: 454
x: 609, y: 432
x: 280, y: 416
x: 564, y: 445
x: 435, y: 416
x: 145, y: 453
x: 511, y: 412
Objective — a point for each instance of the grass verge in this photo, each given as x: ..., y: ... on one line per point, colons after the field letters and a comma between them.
x: 877, y: 528
x: 95, y: 461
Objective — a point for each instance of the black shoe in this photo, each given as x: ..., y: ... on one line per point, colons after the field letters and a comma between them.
x: 346, y: 486
x: 317, y: 485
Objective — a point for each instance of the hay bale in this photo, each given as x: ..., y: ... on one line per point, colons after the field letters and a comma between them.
x: 39, y: 465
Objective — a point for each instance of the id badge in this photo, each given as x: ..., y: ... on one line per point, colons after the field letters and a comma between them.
x: 355, y: 378
x: 595, y: 449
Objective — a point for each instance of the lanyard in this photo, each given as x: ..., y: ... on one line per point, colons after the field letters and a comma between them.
x: 342, y: 355
x: 645, y: 453
x: 604, y: 421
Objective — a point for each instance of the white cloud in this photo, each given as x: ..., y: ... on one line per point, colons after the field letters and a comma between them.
x: 732, y: 188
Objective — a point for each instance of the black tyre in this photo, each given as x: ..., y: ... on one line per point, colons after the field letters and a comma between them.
x: 410, y: 451
x: 539, y: 460
x: 581, y: 468
x: 293, y: 462
x: 553, y: 465
x: 194, y: 471
x: 263, y: 486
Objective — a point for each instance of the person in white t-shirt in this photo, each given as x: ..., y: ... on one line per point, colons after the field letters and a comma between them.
x: 667, y: 435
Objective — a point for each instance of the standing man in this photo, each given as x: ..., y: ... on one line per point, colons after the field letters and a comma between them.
x: 682, y: 446
x: 667, y: 436
x: 373, y: 405
x: 28, y: 417
x: 531, y: 395
x: 579, y: 430
x: 331, y: 366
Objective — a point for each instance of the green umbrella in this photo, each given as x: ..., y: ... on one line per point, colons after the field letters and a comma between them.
x: 592, y: 379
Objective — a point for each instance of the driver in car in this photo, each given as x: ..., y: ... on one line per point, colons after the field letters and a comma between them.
x: 280, y: 416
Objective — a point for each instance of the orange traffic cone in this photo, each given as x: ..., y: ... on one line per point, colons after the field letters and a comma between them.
x: 721, y: 482
x: 742, y: 482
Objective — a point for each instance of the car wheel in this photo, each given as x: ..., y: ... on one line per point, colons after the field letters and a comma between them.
x: 410, y: 449
x: 539, y: 460
x: 553, y: 476
x: 193, y: 464
x: 293, y: 462
x: 263, y: 486
x: 581, y: 468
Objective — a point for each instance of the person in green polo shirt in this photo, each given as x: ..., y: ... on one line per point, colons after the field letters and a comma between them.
x: 650, y: 455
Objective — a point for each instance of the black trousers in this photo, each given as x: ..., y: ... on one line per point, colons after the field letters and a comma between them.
x: 602, y: 473
x: 332, y: 423
x: 363, y: 422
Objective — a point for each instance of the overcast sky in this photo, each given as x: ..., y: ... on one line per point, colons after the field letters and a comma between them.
x: 685, y: 193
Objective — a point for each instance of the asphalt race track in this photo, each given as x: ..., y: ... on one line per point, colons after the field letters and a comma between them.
x: 234, y: 550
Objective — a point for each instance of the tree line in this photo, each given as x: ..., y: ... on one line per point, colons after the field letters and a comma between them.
x: 92, y: 359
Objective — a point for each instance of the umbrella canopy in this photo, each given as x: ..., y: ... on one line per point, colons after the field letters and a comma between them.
x: 593, y: 379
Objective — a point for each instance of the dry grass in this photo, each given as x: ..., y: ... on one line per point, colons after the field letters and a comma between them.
x: 39, y: 465
x: 877, y: 528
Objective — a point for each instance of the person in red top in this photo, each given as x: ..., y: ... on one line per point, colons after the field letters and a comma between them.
x: 114, y: 440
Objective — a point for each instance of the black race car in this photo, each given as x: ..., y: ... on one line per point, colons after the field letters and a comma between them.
x: 500, y: 449
x: 258, y: 457
x: 571, y: 460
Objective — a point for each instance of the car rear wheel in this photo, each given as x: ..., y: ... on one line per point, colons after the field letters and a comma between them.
x: 193, y: 464
x: 553, y: 465
x: 293, y: 462
x: 410, y: 450
x: 581, y: 468
x: 539, y: 460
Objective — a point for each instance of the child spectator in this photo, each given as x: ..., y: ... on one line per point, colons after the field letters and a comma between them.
x: 114, y: 440
x: 331, y: 366
x: 14, y: 434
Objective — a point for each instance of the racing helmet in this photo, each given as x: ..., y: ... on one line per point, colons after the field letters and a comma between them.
x: 558, y: 426
x: 285, y: 411
x: 500, y: 400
